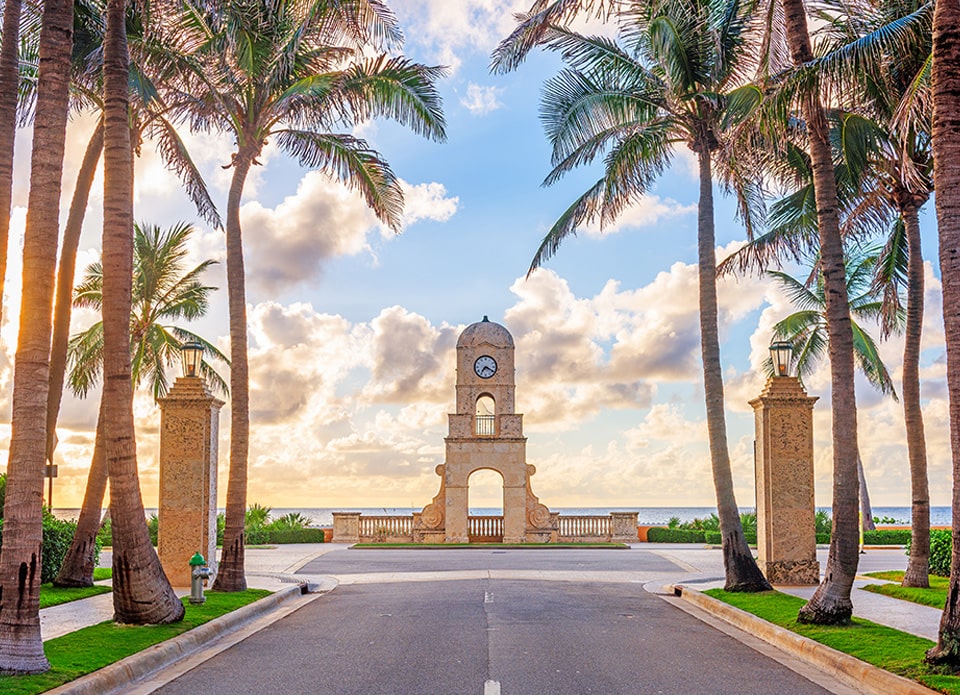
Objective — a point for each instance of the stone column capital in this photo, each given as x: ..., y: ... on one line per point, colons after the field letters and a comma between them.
x: 189, y: 391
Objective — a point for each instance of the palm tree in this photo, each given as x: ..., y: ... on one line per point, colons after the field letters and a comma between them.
x: 671, y: 81
x: 162, y: 291
x: 878, y: 53
x: 21, y: 647
x: 831, y: 602
x: 156, y: 60
x: 806, y: 328
x: 946, y: 177
x: 9, y: 88
x: 291, y: 71
x: 141, y: 591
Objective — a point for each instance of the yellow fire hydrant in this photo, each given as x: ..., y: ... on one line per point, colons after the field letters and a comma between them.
x: 199, y: 573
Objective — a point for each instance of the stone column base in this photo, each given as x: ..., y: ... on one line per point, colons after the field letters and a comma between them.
x: 793, y: 572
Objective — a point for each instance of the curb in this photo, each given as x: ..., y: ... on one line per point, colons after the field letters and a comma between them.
x: 846, y: 668
x: 117, y: 677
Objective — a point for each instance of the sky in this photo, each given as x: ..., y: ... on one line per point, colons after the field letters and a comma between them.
x: 352, y: 328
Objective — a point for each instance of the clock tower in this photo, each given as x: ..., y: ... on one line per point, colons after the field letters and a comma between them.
x: 485, y: 434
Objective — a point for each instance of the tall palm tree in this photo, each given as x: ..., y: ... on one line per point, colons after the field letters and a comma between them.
x: 141, y: 591
x: 21, y: 648
x: 669, y: 82
x: 878, y: 53
x: 946, y: 177
x: 293, y: 71
x: 9, y: 88
x: 156, y: 60
x: 831, y: 602
x: 163, y: 291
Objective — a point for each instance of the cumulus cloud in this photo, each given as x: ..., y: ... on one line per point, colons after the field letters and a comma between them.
x: 291, y: 243
x: 646, y: 212
x: 481, y: 100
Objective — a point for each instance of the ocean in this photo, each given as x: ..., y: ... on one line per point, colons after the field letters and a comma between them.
x: 646, y: 516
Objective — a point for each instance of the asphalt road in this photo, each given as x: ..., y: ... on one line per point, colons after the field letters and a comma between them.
x: 490, y: 636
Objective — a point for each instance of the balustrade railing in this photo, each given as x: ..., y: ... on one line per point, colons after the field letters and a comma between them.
x: 485, y: 529
x: 486, y: 425
x: 583, y: 526
x: 386, y: 527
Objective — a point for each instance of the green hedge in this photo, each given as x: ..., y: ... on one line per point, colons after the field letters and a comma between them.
x: 941, y: 547
x: 823, y: 538
x: 713, y: 537
x: 900, y: 536
x: 57, y: 536
x: 675, y: 535
x: 294, y: 535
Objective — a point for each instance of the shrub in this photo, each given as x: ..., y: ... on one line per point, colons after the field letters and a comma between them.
x: 221, y: 524
x: 295, y: 535
x: 669, y: 535
x: 293, y: 520
x: 941, y: 545
x: 823, y: 538
x: 105, y: 534
x: 887, y: 537
x: 57, y: 536
x: 153, y: 526
x: 823, y: 523
x: 256, y: 516
x: 713, y: 537
x: 748, y: 520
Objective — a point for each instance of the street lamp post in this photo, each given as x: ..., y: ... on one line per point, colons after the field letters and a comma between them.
x: 786, y: 537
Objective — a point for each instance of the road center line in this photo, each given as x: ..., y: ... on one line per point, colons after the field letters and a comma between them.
x: 491, y: 688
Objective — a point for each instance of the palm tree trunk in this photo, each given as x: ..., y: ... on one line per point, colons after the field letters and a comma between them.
x: 946, y: 179
x: 79, y: 562
x: 141, y: 592
x: 230, y: 573
x: 918, y: 565
x: 9, y: 80
x: 866, y: 510
x: 831, y: 602
x: 742, y: 572
x: 65, y: 274
x: 21, y: 647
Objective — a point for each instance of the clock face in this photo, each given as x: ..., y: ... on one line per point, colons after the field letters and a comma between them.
x: 485, y: 366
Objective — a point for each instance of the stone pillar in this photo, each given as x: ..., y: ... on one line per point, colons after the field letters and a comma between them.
x: 623, y: 527
x: 189, y: 427
x: 786, y: 535
x: 346, y: 527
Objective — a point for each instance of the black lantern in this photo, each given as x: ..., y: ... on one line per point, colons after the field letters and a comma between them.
x: 192, y: 355
x: 781, y: 353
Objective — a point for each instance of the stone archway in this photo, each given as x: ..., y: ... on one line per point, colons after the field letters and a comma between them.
x: 485, y: 506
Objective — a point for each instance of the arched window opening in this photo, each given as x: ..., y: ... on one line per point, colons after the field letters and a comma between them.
x: 486, y: 416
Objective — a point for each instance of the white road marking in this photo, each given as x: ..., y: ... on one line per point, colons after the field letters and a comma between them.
x: 491, y: 688
x: 488, y: 597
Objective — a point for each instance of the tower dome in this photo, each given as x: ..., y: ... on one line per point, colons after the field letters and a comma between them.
x: 485, y: 331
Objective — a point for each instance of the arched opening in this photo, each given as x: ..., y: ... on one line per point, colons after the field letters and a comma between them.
x: 486, y: 416
x: 485, y: 504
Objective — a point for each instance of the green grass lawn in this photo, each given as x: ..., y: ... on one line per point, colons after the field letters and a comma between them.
x: 935, y: 596
x: 892, y: 650
x: 81, y: 652
x: 51, y: 595
x: 54, y: 596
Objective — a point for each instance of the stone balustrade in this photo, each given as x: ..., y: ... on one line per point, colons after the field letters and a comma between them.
x: 353, y: 527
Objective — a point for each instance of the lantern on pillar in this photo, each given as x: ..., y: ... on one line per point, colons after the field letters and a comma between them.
x: 192, y: 355
x: 781, y: 353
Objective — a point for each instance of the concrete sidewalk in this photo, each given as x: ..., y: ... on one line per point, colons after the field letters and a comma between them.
x: 267, y: 568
